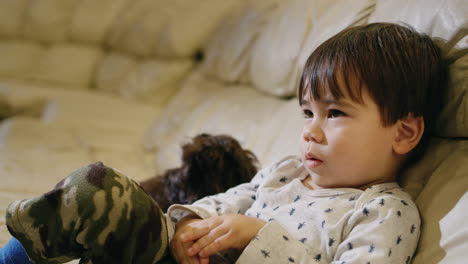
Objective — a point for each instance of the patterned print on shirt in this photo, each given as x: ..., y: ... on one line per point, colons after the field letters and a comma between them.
x: 365, y: 211
x: 408, y: 259
x: 382, y: 202
x: 398, y: 241
x: 330, y: 242
x: 291, y: 212
x: 318, y: 257
x: 300, y: 225
x: 266, y: 254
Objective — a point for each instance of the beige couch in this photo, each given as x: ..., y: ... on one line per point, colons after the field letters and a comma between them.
x: 127, y: 81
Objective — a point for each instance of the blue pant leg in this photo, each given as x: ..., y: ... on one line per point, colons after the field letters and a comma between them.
x: 13, y: 253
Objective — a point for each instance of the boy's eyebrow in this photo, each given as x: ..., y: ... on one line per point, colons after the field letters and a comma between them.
x: 329, y: 101
x: 342, y: 103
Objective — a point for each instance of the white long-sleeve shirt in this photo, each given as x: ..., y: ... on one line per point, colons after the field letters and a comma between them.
x: 342, y: 225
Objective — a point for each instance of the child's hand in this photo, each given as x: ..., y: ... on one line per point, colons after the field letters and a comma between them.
x: 180, y: 246
x: 221, y: 232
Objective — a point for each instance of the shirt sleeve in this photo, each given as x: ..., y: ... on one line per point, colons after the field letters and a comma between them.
x: 273, y: 244
x: 235, y: 200
x: 382, y: 230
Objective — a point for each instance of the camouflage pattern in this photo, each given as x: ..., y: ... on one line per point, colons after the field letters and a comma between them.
x: 95, y: 214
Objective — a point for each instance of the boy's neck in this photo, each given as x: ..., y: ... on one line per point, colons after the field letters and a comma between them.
x: 307, y: 181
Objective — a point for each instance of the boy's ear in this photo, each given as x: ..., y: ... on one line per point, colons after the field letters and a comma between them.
x: 409, y: 132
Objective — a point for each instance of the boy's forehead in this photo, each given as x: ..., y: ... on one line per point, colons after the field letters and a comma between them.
x: 341, y: 87
x: 327, y: 99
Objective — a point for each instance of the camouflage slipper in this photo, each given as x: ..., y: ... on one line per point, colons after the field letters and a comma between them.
x: 96, y: 214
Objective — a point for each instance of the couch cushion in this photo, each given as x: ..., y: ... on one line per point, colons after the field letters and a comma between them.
x: 19, y: 57
x: 112, y: 70
x: 245, y: 47
x: 279, y: 135
x: 107, y: 127
x: 455, y: 232
x: 47, y: 20
x: 91, y: 19
x: 149, y: 80
x: 11, y: 17
x: 185, y: 33
x: 285, y: 30
x: 453, y: 120
x: 290, y: 35
x: 67, y: 64
x: 437, y: 183
x: 230, y: 49
x: 166, y: 28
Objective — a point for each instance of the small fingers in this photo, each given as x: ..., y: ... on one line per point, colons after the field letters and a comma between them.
x: 211, y: 238
x: 217, y: 245
x: 204, y: 260
x: 200, y: 229
x: 194, y: 233
x: 178, y: 252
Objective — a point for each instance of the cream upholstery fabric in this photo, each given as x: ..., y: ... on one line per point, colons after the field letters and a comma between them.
x: 280, y: 75
x: 67, y: 64
x: 453, y: 122
x: 438, y: 182
x: 152, y: 80
x: 47, y: 20
x: 114, y: 69
x: 166, y: 28
x: 11, y: 17
x: 456, y: 232
x: 229, y: 51
x: 91, y: 20
x: 19, y: 57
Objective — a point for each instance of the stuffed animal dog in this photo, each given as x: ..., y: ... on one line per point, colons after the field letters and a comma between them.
x: 210, y: 165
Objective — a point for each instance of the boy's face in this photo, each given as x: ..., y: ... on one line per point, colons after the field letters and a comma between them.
x: 344, y: 143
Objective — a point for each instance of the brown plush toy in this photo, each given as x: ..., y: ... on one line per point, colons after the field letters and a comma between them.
x: 210, y: 165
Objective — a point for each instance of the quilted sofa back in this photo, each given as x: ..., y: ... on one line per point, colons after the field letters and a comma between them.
x: 132, y: 48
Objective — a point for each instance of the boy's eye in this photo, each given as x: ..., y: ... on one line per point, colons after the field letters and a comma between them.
x: 334, y: 113
x: 307, y: 113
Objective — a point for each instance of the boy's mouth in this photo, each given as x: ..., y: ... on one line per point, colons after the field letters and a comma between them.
x: 312, y: 161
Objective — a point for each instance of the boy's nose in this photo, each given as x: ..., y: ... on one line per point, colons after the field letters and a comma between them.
x: 313, y: 133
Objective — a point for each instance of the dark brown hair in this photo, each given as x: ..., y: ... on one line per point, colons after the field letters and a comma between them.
x: 402, y: 70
